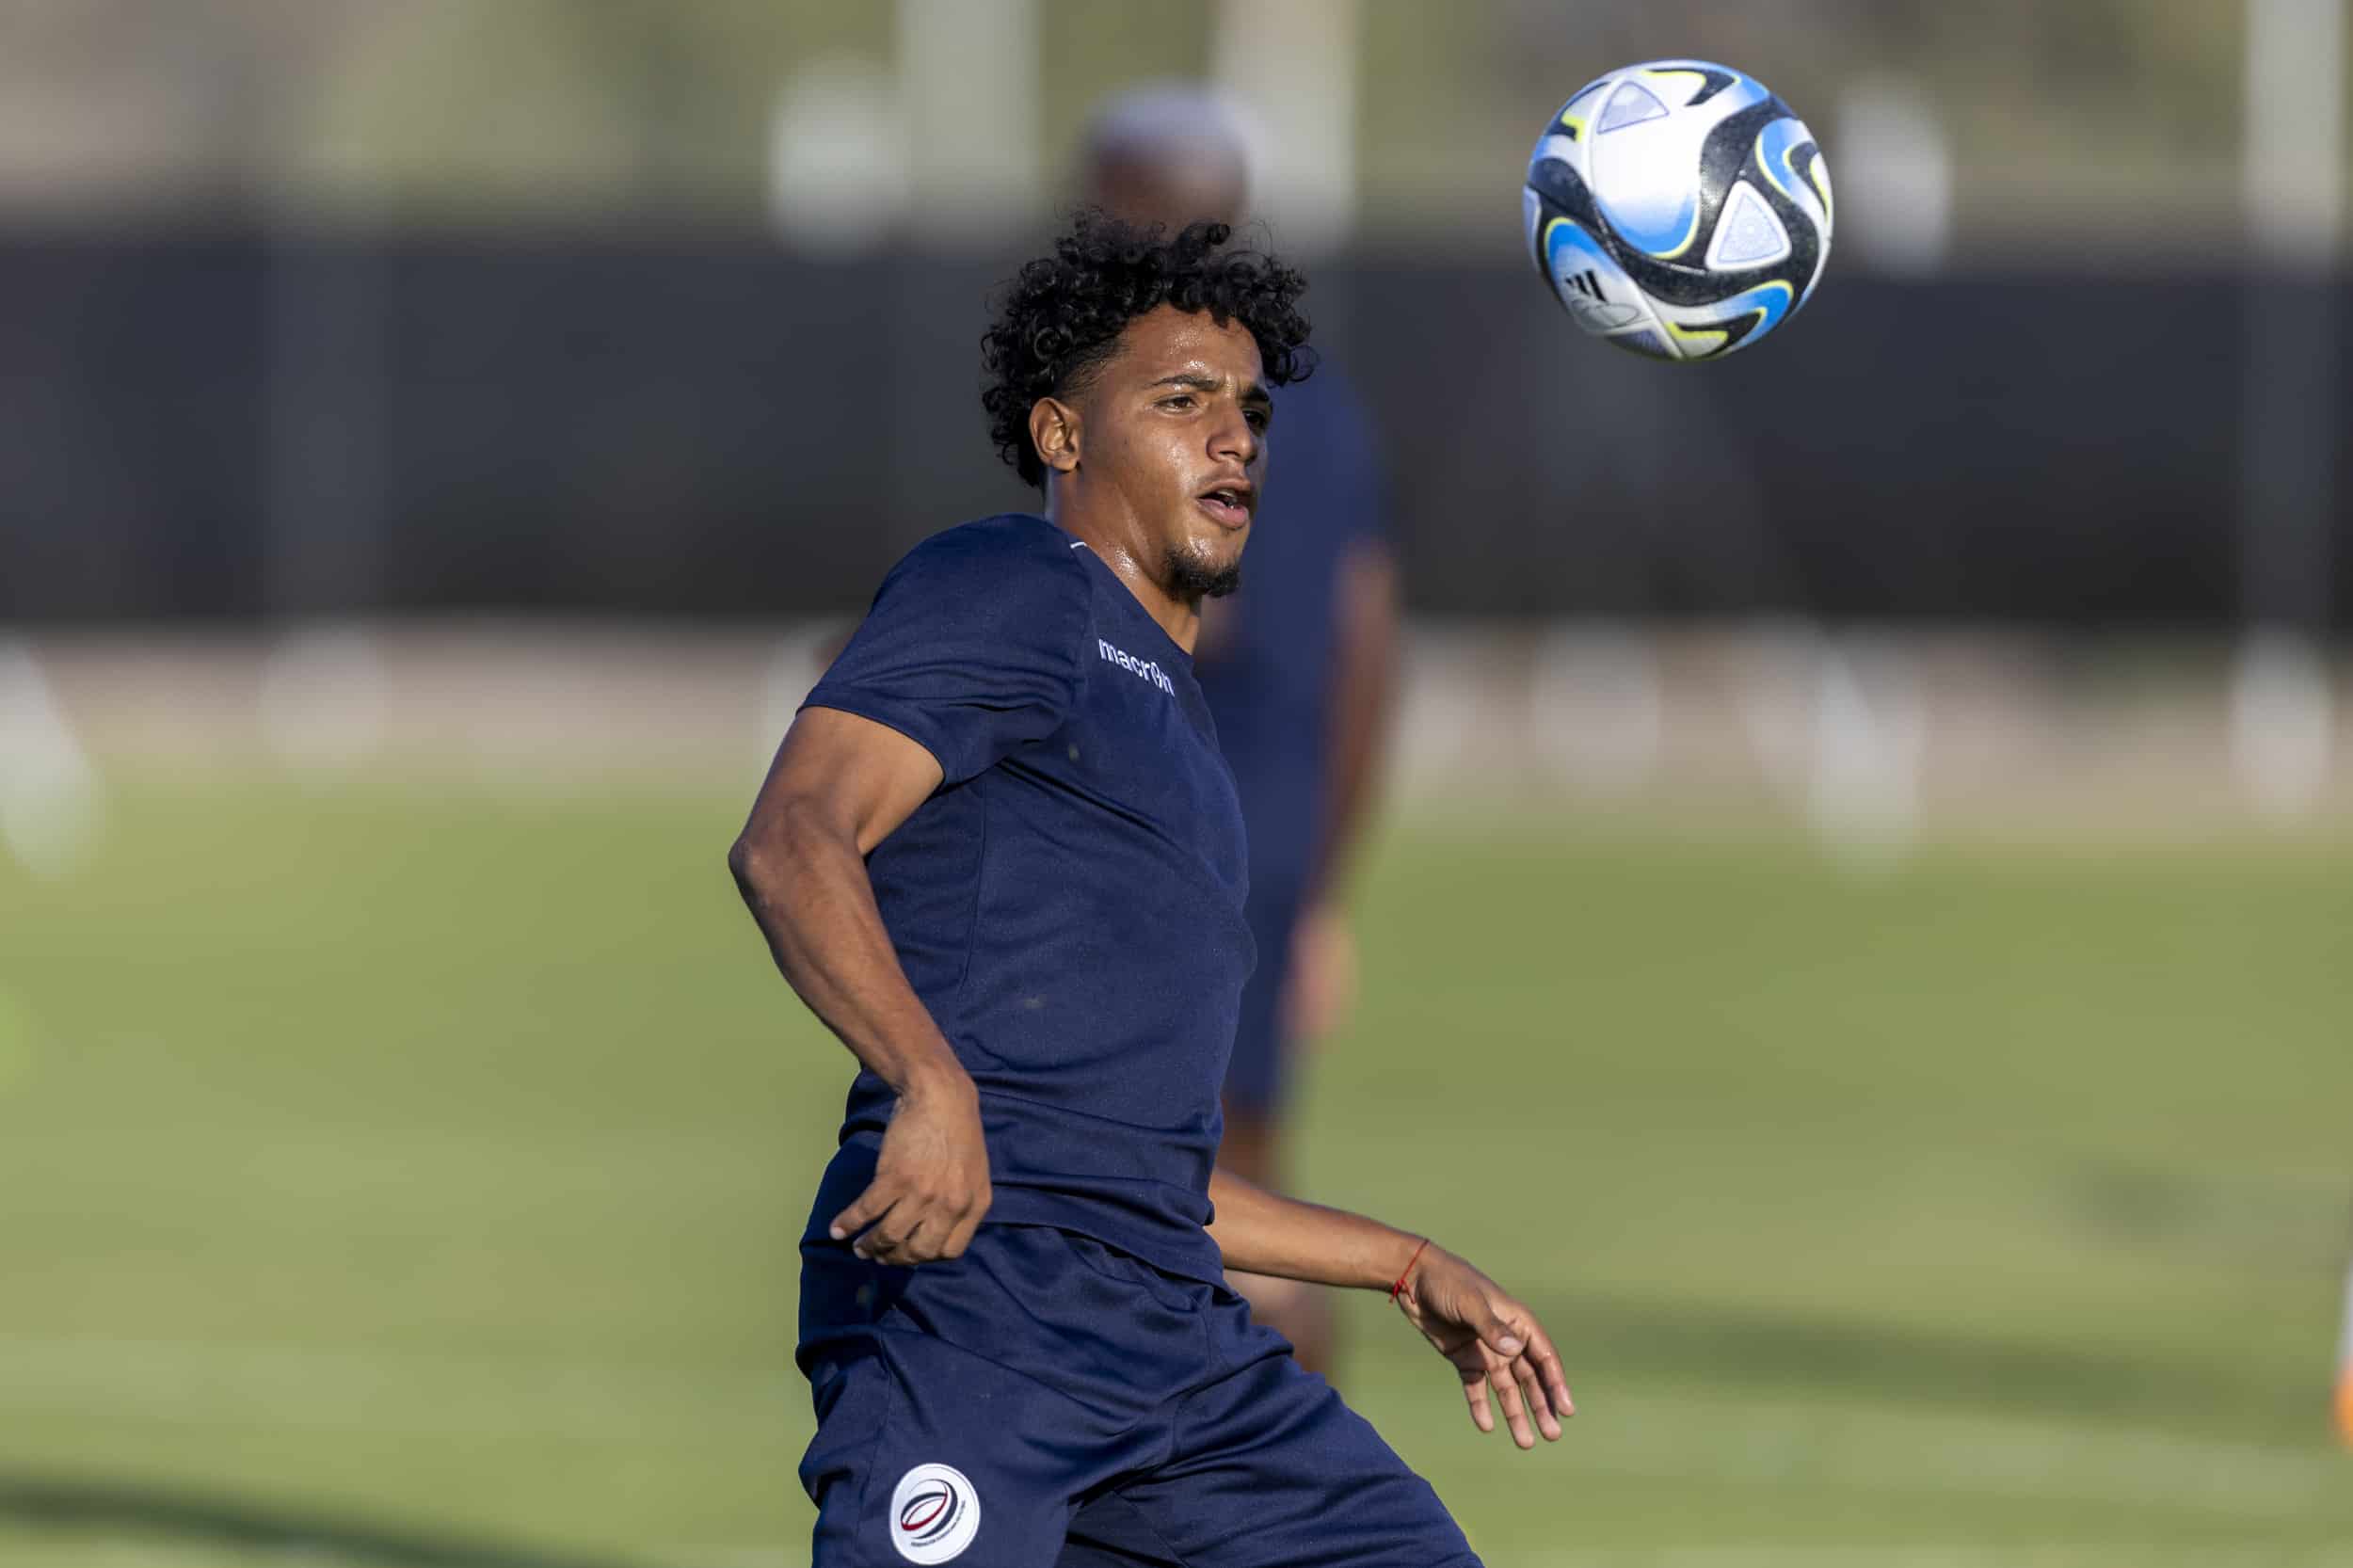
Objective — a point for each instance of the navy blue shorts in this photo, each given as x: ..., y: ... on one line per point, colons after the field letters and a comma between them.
x: 1046, y: 1401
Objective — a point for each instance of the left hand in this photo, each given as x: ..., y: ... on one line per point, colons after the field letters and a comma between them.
x: 1493, y: 1341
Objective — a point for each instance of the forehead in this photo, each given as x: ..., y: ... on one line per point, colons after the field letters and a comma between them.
x: 1166, y: 339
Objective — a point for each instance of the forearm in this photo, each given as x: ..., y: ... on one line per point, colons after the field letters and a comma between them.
x: 806, y: 886
x: 1261, y: 1232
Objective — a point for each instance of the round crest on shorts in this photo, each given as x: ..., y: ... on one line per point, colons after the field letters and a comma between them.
x: 933, y: 1514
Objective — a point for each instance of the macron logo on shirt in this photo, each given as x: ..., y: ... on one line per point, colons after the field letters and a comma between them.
x: 1139, y: 669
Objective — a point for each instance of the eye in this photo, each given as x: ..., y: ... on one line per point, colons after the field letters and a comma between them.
x: 1259, y: 419
x: 1179, y: 402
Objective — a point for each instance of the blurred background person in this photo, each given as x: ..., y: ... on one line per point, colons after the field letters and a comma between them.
x: 1300, y: 667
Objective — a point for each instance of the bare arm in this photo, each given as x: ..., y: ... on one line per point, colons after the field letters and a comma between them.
x: 1263, y: 1232
x: 1494, y: 1342
x: 840, y: 785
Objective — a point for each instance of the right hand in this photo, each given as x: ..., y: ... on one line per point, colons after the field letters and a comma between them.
x: 931, y: 1190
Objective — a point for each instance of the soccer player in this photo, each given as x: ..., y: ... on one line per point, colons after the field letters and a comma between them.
x: 1298, y: 667
x: 999, y: 854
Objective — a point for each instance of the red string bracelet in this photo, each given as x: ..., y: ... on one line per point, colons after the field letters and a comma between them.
x: 1400, y: 1286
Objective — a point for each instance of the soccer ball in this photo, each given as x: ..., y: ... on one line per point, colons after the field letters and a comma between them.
x: 1678, y: 210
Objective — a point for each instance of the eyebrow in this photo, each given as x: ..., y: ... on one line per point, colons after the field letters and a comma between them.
x: 1195, y: 380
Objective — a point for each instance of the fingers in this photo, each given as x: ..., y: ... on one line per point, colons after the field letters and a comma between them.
x: 1514, y: 1409
x: 1500, y: 1346
x: 901, y: 1229
x: 885, y: 1220
x: 1497, y: 1336
x: 901, y: 1238
x: 1548, y: 1363
x: 1475, y: 1390
x: 871, y: 1205
x: 887, y: 1238
x: 1538, y: 1404
x: 961, y: 1237
x: 1513, y: 1332
x: 1505, y: 1343
x: 1505, y: 1358
x: 1493, y: 1373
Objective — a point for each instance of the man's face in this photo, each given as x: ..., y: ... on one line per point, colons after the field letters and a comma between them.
x: 1175, y: 423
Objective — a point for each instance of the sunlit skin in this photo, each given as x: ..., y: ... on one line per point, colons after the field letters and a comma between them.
x: 1158, y: 459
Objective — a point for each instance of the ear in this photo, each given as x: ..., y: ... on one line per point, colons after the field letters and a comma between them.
x: 1054, y: 431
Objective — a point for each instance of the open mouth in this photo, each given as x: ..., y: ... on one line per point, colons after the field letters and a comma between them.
x: 1229, y: 504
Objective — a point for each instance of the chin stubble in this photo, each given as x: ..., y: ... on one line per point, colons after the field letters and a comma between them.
x: 1190, y: 578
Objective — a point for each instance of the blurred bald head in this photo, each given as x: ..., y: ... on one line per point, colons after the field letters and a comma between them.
x: 1168, y: 155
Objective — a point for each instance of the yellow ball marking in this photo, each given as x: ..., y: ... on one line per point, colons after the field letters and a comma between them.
x: 1703, y: 340
x: 1697, y: 79
x: 1690, y: 237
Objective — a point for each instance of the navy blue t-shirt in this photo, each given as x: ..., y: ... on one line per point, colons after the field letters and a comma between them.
x: 1068, y: 905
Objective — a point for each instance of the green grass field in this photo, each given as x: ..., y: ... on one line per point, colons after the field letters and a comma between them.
x: 430, y: 1160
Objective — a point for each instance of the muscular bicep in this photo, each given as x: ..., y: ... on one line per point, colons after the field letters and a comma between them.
x: 862, y: 778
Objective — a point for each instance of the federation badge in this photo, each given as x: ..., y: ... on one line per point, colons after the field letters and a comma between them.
x: 933, y: 1514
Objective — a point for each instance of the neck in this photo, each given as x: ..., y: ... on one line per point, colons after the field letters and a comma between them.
x: 1120, y: 543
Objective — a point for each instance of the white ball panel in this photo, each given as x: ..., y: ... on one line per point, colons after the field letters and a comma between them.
x: 1748, y: 233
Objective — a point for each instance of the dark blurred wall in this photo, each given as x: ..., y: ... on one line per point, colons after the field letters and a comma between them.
x: 228, y: 425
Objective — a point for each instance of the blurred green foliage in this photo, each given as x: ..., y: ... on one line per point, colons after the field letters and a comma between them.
x: 2115, y: 118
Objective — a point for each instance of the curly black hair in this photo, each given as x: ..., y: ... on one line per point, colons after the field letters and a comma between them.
x: 1059, y: 320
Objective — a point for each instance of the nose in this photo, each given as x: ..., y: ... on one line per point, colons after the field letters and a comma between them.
x: 1232, y: 439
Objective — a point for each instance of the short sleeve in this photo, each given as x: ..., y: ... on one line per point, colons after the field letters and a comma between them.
x: 971, y: 647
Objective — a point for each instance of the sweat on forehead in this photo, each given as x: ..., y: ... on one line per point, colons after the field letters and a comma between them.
x: 1170, y: 346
